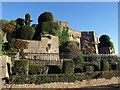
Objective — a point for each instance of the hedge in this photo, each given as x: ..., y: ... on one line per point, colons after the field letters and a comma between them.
x: 20, y: 67
x: 68, y: 66
x: 37, y: 69
x: 49, y: 78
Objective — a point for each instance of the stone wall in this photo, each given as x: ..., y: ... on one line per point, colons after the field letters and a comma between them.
x: 47, y: 48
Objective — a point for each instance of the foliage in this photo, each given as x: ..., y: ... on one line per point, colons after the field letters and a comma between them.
x: 104, y: 38
x: 68, y: 66
x: 50, y: 78
x: 89, y: 69
x: 64, y: 37
x: 49, y: 28
x: 1, y: 41
x: 13, y: 22
x: 27, y: 19
x: 2, y: 21
x: 8, y: 28
x: 25, y: 32
x: 20, y: 21
x: 34, y: 69
x: 79, y: 58
x: 45, y: 17
x: 70, y: 49
x: 105, y: 66
x: 21, y: 67
x: 15, y: 45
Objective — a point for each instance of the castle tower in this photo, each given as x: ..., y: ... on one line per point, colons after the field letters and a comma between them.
x: 90, y: 38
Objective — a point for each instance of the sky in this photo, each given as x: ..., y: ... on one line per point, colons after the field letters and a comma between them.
x: 101, y: 17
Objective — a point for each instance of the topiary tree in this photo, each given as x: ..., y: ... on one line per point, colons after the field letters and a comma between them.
x: 27, y: 19
x: 104, y: 38
x: 45, y: 17
x: 70, y: 50
x: 25, y: 32
x: 46, y: 26
x: 20, y: 21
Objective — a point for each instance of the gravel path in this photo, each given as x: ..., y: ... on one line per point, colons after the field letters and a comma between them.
x: 77, y: 84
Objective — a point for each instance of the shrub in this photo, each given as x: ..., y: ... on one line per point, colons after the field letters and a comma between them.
x: 50, y: 78
x: 89, y: 69
x: 25, y: 32
x: 105, y: 65
x: 68, y: 66
x: 37, y: 69
x: 21, y: 67
x: 34, y: 69
x: 78, y: 59
x: 45, y: 17
x: 104, y: 38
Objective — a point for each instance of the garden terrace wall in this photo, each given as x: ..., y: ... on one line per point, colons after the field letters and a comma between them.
x: 47, y: 45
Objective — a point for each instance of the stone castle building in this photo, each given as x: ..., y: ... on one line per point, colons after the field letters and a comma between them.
x: 78, y: 36
x: 48, y: 48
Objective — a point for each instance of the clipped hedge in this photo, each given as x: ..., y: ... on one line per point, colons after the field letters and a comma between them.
x: 49, y: 78
x: 105, y: 66
x: 21, y: 67
x: 37, y: 69
x: 89, y: 69
x: 68, y: 66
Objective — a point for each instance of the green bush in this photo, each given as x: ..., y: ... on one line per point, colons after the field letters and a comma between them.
x: 105, y: 66
x: 89, y: 69
x: 50, y: 78
x: 34, y: 69
x: 45, y: 17
x: 21, y: 67
x: 37, y: 69
x: 25, y: 32
x: 68, y: 66
x: 78, y: 59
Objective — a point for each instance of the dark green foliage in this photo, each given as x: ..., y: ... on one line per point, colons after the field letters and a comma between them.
x: 78, y: 59
x: 27, y: 19
x: 37, y: 69
x: 1, y: 41
x: 25, y: 32
x: 34, y: 69
x: 105, y: 41
x: 68, y: 66
x: 69, y: 50
x: 49, y: 28
x: 64, y: 37
x: 104, y: 38
x: 50, y: 78
x: 89, y: 69
x: 20, y: 21
x: 21, y: 67
x: 45, y: 17
x: 105, y: 65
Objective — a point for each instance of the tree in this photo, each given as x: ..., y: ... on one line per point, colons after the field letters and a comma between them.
x: 45, y: 17
x: 69, y: 49
x: 25, y: 32
x: 27, y: 19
